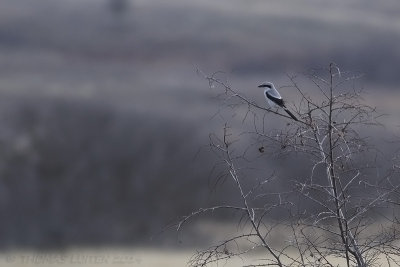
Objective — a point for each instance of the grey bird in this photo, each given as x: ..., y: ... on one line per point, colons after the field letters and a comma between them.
x: 274, y: 99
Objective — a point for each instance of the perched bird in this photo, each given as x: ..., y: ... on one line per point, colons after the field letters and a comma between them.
x: 274, y: 99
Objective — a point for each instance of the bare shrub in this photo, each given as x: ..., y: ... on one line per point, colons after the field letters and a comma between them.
x: 342, y: 210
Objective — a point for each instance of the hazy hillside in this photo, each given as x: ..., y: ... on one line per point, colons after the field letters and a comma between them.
x: 102, y: 111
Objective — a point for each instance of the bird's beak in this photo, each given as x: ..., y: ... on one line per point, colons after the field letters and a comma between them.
x: 260, y: 86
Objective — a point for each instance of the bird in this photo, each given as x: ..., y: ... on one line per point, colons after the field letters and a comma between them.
x: 274, y: 99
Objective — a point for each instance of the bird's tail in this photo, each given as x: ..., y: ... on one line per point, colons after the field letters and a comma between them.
x: 290, y: 114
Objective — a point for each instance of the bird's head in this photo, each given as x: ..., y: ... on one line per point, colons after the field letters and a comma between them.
x: 266, y: 85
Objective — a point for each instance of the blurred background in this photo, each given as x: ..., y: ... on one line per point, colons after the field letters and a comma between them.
x: 103, y: 112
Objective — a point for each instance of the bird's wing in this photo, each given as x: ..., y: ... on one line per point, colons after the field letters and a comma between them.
x: 274, y: 93
x: 276, y: 100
